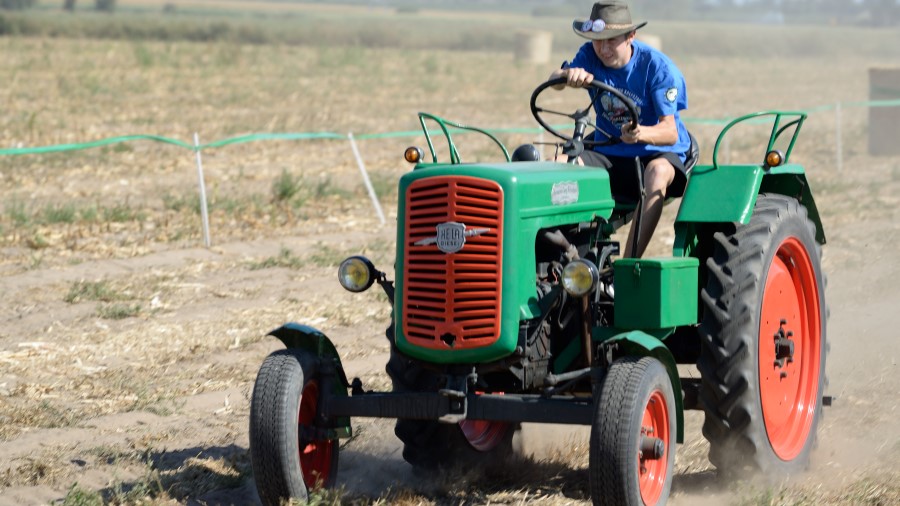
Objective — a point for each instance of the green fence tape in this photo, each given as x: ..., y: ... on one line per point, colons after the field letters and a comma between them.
x: 331, y: 135
x: 85, y: 145
x: 873, y: 103
x: 271, y: 136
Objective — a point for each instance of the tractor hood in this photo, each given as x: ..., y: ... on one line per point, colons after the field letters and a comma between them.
x: 536, y: 189
x: 465, y: 250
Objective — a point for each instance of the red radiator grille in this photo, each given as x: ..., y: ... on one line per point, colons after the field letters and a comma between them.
x: 452, y: 300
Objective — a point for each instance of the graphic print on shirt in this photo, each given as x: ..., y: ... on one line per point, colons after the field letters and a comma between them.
x: 615, y: 111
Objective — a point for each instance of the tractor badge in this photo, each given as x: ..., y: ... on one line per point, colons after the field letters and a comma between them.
x: 451, y: 236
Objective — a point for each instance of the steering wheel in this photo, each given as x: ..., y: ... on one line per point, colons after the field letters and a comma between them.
x: 582, y: 116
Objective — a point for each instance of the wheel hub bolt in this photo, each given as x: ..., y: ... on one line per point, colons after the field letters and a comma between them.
x: 652, y: 448
x: 784, y: 346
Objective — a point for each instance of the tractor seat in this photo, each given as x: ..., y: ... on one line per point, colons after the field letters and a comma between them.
x: 691, y: 156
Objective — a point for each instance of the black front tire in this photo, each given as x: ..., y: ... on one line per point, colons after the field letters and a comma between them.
x: 288, y: 452
x: 635, y: 407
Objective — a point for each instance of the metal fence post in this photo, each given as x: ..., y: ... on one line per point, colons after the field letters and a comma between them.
x: 204, y: 213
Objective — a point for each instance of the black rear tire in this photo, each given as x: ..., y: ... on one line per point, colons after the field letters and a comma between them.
x: 762, y: 415
x: 636, y: 404
x: 289, y: 456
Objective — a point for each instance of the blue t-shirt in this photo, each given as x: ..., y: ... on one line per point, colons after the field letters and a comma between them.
x: 652, y: 82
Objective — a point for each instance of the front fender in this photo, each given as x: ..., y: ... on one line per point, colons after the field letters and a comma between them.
x: 304, y: 337
x: 309, y: 339
x: 637, y: 343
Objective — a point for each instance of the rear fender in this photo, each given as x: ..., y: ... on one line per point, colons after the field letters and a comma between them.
x: 728, y: 193
x: 637, y: 343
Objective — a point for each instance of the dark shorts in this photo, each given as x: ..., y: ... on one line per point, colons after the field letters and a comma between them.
x: 623, y: 178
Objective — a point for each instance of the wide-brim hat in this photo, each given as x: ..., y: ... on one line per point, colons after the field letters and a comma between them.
x: 608, y: 20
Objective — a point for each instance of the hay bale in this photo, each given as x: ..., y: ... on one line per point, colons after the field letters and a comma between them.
x: 533, y: 46
x: 884, y: 122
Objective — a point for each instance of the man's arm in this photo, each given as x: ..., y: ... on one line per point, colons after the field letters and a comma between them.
x: 664, y: 133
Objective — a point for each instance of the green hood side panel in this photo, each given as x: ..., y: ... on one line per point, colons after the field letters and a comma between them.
x: 536, y: 195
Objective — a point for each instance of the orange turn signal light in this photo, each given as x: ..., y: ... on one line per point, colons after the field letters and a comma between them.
x: 413, y: 154
x: 774, y: 158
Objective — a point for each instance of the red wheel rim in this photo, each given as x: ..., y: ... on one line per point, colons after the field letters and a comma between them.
x: 652, y: 471
x: 789, y: 391
x: 482, y: 435
x: 315, y: 454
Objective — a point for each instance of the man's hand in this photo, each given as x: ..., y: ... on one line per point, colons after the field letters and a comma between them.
x: 664, y: 133
x: 575, y: 78
x: 578, y: 78
x: 631, y: 135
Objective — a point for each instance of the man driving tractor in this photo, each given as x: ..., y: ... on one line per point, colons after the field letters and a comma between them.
x: 657, y: 88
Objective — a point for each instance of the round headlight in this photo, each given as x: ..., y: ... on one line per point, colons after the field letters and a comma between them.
x: 356, y: 274
x: 580, y: 277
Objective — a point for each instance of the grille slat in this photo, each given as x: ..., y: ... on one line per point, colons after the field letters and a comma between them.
x: 475, y: 207
x: 453, y: 293
x: 423, y: 316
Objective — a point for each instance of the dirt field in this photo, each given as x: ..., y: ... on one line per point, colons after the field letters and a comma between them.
x: 128, y: 350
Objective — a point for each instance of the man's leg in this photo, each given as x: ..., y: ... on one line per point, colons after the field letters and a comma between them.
x: 658, y: 175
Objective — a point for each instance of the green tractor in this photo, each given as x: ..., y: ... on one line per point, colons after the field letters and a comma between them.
x: 511, y: 305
